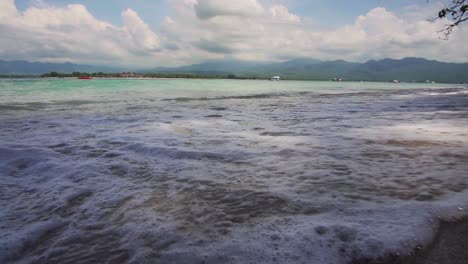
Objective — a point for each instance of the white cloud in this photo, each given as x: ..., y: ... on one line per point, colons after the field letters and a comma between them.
x: 72, y: 33
x: 199, y: 30
x: 8, y: 9
x: 140, y: 36
x: 281, y: 13
x: 274, y: 33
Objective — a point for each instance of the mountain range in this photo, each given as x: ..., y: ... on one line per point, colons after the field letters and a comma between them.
x: 22, y: 67
x: 407, y: 69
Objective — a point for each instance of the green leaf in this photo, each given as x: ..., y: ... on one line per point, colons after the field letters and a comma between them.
x: 464, y: 8
x: 442, y: 13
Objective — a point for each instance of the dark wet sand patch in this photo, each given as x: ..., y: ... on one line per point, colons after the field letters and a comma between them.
x: 450, y: 246
x: 213, y: 208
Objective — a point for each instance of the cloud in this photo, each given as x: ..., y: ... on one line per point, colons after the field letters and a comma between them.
x: 213, y: 46
x: 254, y: 31
x: 139, y: 34
x: 206, y: 9
x: 199, y: 30
x: 8, y: 9
x: 72, y: 33
x: 281, y: 13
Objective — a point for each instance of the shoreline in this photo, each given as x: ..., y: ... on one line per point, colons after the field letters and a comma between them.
x: 449, y: 246
x: 26, y: 77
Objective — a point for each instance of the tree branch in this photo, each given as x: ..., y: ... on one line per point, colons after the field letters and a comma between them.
x: 456, y: 12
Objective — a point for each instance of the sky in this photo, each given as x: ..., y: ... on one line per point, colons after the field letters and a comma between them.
x: 150, y: 33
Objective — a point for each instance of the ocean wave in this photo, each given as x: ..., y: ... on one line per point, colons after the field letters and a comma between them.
x: 176, y: 153
x: 239, y: 97
x: 295, y: 176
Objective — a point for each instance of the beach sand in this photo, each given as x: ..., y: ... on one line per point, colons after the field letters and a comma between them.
x: 450, y: 246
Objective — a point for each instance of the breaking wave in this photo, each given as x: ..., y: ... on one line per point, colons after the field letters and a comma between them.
x: 315, y: 175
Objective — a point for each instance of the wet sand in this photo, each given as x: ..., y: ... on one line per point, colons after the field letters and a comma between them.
x: 450, y: 246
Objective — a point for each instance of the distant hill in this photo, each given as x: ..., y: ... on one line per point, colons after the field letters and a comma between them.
x: 308, y: 69
x: 214, y: 67
x: 410, y: 69
x: 21, y: 67
x: 407, y: 69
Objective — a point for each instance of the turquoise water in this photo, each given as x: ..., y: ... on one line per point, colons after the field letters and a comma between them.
x: 44, y: 90
x: 189, y: 171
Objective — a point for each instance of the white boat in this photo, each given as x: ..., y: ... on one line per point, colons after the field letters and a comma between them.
x: 275, y: 78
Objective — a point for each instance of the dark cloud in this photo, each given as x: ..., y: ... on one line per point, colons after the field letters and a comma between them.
x: 206, y: 9
x: 171, y: 46
x: 214, y: 47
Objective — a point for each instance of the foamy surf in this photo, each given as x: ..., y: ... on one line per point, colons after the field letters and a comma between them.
x: 254, y: 172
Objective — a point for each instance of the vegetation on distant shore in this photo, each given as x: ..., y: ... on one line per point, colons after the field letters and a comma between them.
x: 143, y: 75
x: 16, y: 76
x: 125, y: 75
x: 134, y: 75
x: 405, y: 70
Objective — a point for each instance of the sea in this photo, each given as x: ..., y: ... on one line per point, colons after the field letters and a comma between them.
x: 227, y: 171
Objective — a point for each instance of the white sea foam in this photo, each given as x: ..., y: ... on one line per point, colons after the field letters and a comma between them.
x: 241, y: 178
x: 443, y: 132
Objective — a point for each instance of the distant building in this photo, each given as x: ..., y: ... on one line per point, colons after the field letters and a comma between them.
x: 130, y: 75
x: 275, y: 78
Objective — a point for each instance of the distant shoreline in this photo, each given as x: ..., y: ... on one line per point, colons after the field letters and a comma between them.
x: 201, y: 78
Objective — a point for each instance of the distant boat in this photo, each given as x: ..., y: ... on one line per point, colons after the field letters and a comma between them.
x: 275, y: 78
x: 85, y: 77
x: 396, y: 81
